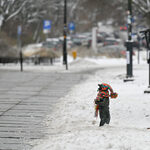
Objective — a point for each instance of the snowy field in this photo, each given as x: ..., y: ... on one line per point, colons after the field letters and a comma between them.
x: 72, y: 125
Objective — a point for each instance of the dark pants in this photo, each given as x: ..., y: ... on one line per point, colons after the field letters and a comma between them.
x: 104, y: 112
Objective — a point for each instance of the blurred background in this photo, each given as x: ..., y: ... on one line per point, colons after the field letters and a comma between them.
x: 107, y: 17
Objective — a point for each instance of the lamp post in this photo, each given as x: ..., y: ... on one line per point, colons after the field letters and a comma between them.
x: 65, y: 36
x: 129, y: 44
x: 147, y: 37
x: 19, y: 46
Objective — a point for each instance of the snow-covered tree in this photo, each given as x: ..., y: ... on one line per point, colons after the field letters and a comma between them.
x: 31, y: 13
x: 143, y: 7
x: 10, y: 9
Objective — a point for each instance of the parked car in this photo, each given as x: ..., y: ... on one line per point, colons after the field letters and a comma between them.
x: 135, y: 44
x: 77, y: 41
x: 52, y: 43
x: 113, y: 51
x: 123, y: 28
x: 110, y: 41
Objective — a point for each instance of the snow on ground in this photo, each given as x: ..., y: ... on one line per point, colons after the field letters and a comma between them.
x: 72, y: 125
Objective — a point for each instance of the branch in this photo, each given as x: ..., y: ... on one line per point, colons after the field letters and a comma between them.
x: 17, y: 12
x: 140, y: 6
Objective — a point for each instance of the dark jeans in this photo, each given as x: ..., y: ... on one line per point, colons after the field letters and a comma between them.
x: 104, y: 112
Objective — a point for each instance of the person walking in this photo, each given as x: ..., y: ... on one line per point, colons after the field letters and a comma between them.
x: 102, y: 102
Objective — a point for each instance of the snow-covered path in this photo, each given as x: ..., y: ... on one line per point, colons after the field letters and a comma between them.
x: 72, y: 127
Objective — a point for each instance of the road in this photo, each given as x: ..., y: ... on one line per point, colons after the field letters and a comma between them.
x: 25, y: 100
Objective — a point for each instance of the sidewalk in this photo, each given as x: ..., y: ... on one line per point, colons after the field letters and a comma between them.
x: 71, y: 124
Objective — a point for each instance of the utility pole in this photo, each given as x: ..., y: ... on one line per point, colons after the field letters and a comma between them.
x: 65, y: 36
x: 147, y: 37
x: 94, y: 39
x: 19, y: 46
x: 139, y: 48
x: 129, y: 44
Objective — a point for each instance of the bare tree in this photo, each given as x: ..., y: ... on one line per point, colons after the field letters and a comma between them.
x: 31, y: 13
x: 10, y: 9
x: 143, y: 7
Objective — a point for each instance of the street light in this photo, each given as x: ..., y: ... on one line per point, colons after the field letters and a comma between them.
x: 19, y: 32
x: 129, y: 44
x: 65, y: 36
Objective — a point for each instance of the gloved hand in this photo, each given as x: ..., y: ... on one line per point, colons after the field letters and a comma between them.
x: 96, y: 101
x: 114, y: 95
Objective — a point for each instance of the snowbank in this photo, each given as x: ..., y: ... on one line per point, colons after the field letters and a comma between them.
x: 72, y: 125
